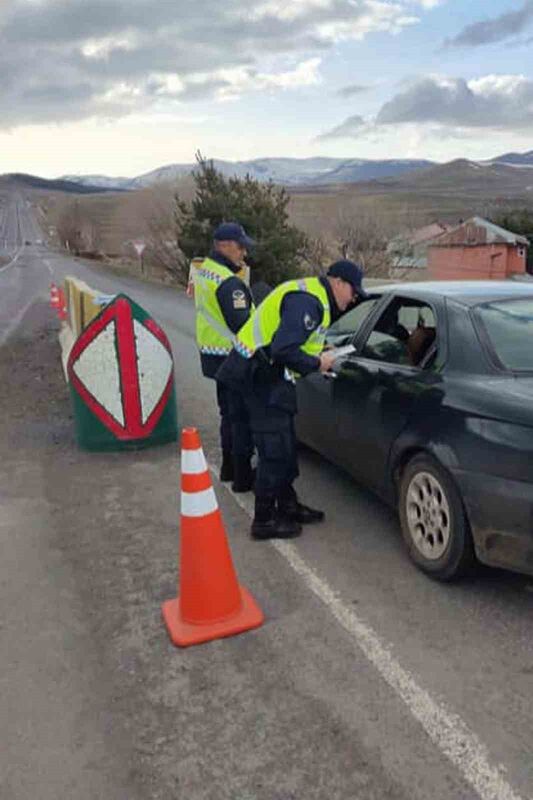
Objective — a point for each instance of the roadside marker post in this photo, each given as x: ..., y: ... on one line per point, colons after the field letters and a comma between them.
x: 139, y: 246
x: 121, y: 377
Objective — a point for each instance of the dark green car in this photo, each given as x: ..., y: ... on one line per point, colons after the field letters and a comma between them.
x: 434, y: 412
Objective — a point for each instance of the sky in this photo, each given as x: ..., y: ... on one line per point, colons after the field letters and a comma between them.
x: 121, y: 87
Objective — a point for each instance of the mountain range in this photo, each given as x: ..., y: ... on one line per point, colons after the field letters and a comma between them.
x: 301, y: 171
x: 287, y: 171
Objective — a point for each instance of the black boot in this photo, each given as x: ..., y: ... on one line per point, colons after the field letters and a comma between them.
x: 290, y: 508
x: 243, y: 475
x: 302, y: 514
x: 226, y: 469
x: 267, y: 524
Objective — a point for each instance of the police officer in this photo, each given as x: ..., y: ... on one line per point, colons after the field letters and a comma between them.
x: 223, y: 304
x: 283, y: 339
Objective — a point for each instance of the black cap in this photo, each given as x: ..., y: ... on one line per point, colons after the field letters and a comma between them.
x: 351, y: 273
x: 232, y: 232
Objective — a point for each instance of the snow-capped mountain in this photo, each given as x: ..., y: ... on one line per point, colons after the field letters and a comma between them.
x: 288, y: 171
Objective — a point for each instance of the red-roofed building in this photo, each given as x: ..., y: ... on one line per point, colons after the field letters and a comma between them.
x: 477, y: 249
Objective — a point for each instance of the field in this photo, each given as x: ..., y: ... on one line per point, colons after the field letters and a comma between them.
x: 108, y: 223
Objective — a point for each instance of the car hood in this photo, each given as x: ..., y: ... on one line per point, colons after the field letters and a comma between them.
x: 505, y: 398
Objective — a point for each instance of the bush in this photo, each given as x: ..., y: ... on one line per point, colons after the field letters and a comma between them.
x: 260, y: 207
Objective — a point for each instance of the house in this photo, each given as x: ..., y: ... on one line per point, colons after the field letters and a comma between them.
x: 477, y: 249
x: 410, y: 250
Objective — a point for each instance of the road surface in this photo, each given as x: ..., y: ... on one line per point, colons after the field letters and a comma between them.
x: 368, y: 680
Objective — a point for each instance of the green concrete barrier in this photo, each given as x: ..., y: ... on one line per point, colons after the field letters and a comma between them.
x: 119, y: 368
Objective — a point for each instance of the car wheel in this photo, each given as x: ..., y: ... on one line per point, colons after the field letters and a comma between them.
x: 433, y: 520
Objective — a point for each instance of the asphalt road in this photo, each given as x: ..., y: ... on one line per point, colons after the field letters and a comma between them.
x: 367, y: 681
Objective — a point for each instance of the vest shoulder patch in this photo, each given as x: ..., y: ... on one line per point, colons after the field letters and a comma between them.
x: 239, y: 298
x: 309, y: 323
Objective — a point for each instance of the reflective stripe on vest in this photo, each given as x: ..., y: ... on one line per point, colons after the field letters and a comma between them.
x: 212, y: 334
x: 264, y: 322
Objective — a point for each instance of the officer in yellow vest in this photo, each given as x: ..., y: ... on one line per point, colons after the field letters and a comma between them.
x: 283, y: 339
x: 223, y: 304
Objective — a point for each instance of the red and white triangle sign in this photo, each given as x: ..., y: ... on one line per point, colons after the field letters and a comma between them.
x: 122, y: 369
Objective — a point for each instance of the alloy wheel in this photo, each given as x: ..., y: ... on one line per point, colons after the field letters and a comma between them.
x: 428, y: 515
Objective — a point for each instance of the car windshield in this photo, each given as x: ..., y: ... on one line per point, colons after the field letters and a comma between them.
x: 509, y: 325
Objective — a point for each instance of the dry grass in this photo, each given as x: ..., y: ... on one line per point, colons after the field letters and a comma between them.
x: 118, y: 218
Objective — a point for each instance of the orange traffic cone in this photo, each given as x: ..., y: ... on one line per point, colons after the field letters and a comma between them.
x: 54, y: 295
x: 211, y: 604
x: 61, y: 305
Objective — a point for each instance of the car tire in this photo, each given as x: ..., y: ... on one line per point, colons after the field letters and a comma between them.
x: 433, y: 520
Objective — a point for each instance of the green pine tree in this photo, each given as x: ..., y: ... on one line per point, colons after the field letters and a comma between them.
x: 260, y: 207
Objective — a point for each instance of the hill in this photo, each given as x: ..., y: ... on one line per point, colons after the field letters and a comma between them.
x: 285, y: 171
x: 24, y: 181
x: 467, y: 177
x: 515, y: 159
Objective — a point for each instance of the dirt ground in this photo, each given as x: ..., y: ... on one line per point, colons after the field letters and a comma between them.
x: 80, y: 594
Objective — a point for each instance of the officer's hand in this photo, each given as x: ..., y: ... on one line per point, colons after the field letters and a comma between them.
x: 327, y: 359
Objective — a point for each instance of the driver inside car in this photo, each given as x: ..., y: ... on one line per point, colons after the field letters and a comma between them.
x: 419, y: 342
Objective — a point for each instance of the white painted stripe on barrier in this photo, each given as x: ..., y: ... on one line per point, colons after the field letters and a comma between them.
x: 196, y: 504
x: 98, y: 369
x: 193, y: 462
x: 154, y: 367
x: 444, y: 727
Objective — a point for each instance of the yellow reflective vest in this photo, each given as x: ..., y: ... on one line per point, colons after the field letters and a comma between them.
x: 212, y: 334
x: 265, y: 320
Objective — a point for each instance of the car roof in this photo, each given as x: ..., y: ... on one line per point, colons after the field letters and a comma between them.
x: 467, y: 292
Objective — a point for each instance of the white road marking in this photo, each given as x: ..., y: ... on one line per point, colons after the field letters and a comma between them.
x: 15, y: 322
x: 48, y: 265
x: 13, y: 260
x: 444, y: 727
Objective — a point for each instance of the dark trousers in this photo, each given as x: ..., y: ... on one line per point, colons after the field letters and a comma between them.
x: 275, y: 442
x: 235, y: 433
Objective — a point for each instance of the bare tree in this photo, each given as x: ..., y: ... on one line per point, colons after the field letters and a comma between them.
x: 91, y: 236
x: 69, y: 225
x: 378, y: 240
x: 148, y: 214
x: 317, y: 254
x: 160, y: 232
x: 361, y: 234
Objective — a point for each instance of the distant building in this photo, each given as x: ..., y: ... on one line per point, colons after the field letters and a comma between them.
x: 410, y: 250
x: 477, y: 249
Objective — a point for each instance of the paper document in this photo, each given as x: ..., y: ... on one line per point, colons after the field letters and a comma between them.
x: 340, y: 352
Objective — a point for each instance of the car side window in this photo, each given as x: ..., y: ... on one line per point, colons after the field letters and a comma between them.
x: 404, y: 334
x: 350, y: 323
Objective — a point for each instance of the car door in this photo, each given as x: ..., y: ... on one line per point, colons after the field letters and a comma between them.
x: 315, y: 421
x: 377, y: 389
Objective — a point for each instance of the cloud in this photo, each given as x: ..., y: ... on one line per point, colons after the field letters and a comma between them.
x: 493, y: 30
x: 350, y: 128
x: 491, y: 102
x: 354, y: 88
x: 115, y: 57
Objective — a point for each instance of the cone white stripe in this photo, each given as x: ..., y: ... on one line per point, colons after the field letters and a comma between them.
x: 193, y: 462
x: 196, y: 504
